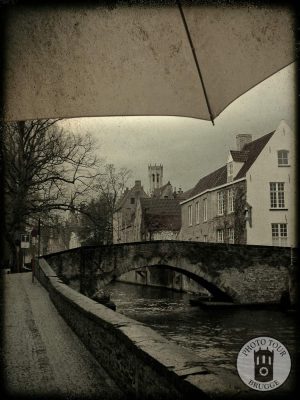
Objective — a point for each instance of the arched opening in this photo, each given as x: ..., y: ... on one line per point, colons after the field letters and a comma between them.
x: 217, y: 293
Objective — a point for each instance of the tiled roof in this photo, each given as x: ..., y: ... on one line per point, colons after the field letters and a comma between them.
x: 248, y: 155
x: 216, y: 178
x: 161, y: 206
x: 254, y: 149
x: 239, y: 156
x: 161, y: 214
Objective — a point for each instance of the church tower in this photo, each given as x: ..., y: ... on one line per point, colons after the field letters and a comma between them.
x: 155, y: 174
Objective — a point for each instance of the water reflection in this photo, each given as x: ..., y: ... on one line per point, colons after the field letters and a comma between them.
x: 216, y: 335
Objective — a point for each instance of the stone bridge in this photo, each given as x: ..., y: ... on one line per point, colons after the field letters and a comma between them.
x: 239, y: 273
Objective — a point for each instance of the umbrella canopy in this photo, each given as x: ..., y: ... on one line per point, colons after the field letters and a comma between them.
x: 94, y: 61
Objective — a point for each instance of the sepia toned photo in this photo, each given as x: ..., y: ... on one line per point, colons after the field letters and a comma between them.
x: 148, y: 174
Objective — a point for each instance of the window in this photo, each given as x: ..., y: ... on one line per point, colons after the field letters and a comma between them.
x: 277, y: 194
x: 231, y: 235
x: 204, y: 210
x: 279, y: 235
x: 153, y: 177
x: 157, y: 178
x: 190, y: 215
x: 283, y: 157
x: 220, y: 235
x: 205, y: 238
x: 197, y: 211
x: 230, y: 201
x: 132, y: 200
x: 220, y: 203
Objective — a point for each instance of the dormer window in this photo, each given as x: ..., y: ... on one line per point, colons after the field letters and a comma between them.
x: 283, y: 158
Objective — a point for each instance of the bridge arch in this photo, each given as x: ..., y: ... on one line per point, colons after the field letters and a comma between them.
x: 215, y: 288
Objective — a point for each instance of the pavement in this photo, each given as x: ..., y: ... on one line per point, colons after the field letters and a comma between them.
x: 41, y: 356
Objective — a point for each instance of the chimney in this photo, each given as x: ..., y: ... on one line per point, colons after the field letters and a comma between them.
x: 242, y: 139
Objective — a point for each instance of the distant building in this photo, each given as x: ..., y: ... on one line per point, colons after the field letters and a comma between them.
x: 157, y: 219
x: 156, y: 216
x: 124, y: 216
x: 251, y: 199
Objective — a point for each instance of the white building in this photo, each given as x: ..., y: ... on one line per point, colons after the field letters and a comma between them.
x: 249, y: 200
x: 271, y: 191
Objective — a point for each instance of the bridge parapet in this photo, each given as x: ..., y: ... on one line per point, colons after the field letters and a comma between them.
x: 243, y: 274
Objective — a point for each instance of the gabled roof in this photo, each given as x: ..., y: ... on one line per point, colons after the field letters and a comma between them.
x: 239, y: 156
x: 159, y: 192
x: 130, y: 193
x: 254, y: 149
x: 216, y: 178
x: 248, y: 155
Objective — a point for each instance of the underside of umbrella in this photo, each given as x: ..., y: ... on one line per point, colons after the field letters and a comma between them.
x: 184, y: 61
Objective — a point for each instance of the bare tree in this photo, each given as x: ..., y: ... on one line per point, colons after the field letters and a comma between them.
x: 111, y: 184
x: 96, y: 221
x: 46, y: 169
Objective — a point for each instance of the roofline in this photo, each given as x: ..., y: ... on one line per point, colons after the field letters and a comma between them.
x: 212, y: 189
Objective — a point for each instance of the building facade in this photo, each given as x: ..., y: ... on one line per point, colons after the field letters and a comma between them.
x: 124, y: 217
x: 251, y: 199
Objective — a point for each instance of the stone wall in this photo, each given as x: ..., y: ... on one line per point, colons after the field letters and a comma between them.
x: 144, y: 364
x: 244, y: 274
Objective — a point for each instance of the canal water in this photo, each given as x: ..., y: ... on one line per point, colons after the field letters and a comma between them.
x: 215, y: 335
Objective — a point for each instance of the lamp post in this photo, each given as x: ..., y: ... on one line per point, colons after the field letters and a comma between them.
x: 34, y: 233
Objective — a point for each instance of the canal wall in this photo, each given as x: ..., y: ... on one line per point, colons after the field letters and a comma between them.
x: 239, y: 273
x: 143, y: 363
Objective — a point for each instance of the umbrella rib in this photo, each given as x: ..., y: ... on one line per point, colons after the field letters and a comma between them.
x: 195, y: 59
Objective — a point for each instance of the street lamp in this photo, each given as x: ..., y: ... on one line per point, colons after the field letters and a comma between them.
x: 34, y: 234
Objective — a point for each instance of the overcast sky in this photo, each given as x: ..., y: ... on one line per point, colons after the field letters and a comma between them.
x: 190, y: 148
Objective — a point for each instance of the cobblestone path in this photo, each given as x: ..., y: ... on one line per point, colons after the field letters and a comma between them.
x: 41, y: 355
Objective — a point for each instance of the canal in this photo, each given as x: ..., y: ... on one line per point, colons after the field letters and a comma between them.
x: 215, y: 335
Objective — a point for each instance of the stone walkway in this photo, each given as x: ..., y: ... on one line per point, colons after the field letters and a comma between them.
x: 41, y: 356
